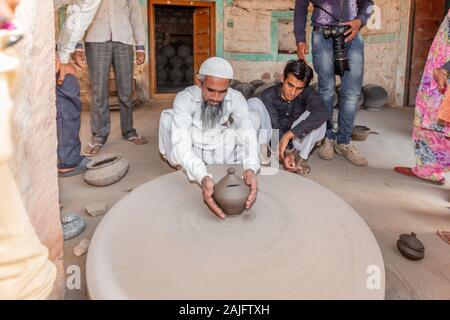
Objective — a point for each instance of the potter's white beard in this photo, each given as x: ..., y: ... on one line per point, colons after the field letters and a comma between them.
x: 211, y: 115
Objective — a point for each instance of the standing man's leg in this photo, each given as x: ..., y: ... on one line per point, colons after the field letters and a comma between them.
x: 323, y: 62
x: 68, y: 110
x: 99, y: 56
x: 350, y: 91
x: 123, y: 63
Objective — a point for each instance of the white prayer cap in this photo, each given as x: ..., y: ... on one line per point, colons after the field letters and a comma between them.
x: 216, y: 67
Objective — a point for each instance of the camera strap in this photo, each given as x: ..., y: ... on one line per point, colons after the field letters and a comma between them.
x: 342, y: 2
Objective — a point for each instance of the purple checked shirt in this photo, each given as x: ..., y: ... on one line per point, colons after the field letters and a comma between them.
x: 351, y: 9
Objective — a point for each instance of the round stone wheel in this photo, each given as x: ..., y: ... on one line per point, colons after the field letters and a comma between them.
x: 106, y: 169
x: 161, y: 242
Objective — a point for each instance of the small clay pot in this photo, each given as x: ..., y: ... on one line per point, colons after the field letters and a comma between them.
x: 360, y: 133
x: 411, y: 247
x: 231, y: 193
x: 106, y: 169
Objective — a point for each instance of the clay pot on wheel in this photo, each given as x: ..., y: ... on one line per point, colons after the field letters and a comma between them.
x: 231, y: 193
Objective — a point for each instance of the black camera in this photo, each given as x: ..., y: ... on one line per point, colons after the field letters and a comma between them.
x: 340, y: 54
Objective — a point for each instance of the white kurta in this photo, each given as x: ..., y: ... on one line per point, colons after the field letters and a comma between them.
x: 79, y: 16
x: 185, y: 142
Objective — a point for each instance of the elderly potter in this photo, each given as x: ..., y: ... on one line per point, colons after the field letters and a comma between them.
x: 210, y: 123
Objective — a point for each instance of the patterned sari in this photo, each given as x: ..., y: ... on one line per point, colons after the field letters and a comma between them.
x: 432, y: 137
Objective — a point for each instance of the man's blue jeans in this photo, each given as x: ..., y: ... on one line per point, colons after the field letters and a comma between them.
x: 68, y: 110
x: 323, y: 61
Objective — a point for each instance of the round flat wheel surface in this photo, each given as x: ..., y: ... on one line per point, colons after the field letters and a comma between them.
x: 299, y: 241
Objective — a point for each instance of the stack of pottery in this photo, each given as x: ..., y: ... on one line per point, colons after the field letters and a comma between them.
x: 175, y: 63
x: 231, y: 193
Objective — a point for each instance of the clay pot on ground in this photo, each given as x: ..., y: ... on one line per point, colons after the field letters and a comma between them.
x: 411, y: 247
x: 375, y: 97
x: 257, y: 83
x: 234, y: 83
x: 231, y: 193
x: 106, y: 170
x: 246, y: 89
x: 360, y: 133
x: 260, y: 89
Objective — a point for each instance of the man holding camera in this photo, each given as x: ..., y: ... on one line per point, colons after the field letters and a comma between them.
x: 337, y: 49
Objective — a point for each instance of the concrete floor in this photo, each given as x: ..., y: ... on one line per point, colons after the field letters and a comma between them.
x: 390, y: 204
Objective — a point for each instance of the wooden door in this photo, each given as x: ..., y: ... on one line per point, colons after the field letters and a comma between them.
x: 202, y: 37
x: 428, y: 16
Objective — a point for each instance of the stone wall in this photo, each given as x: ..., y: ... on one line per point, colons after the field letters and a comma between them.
x: 34, y: 128
x: 249, y: 28
x: 257, y: 50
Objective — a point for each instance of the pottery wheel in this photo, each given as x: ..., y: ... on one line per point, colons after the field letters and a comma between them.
x: 299, y: 241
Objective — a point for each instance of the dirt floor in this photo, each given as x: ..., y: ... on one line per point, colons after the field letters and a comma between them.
x: 390, y: 204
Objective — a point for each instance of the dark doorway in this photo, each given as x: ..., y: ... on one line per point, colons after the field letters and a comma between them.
x: 174, y: 31
x: 182, y: 34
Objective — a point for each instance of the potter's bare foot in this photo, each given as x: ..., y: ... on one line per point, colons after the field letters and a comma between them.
x: 445, y: 235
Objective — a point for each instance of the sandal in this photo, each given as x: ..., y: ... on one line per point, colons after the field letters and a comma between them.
x: 302, y: 168
x: 80, y: 169
x: 92, y: 149
x: 408, y: 172
x: 138, y: 140
x: 444, y: 235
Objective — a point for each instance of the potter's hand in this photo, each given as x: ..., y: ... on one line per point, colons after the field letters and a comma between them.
x: 208, y: 191
x: 284, y: 143
x: 441, y: 77
x: 302, y: 50
x: 251, y: 180
x: 355, y: 26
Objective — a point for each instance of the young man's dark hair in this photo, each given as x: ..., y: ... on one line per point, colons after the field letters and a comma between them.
x: 300, y: 70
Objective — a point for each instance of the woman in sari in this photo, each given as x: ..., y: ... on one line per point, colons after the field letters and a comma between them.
x: 431, y: 133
